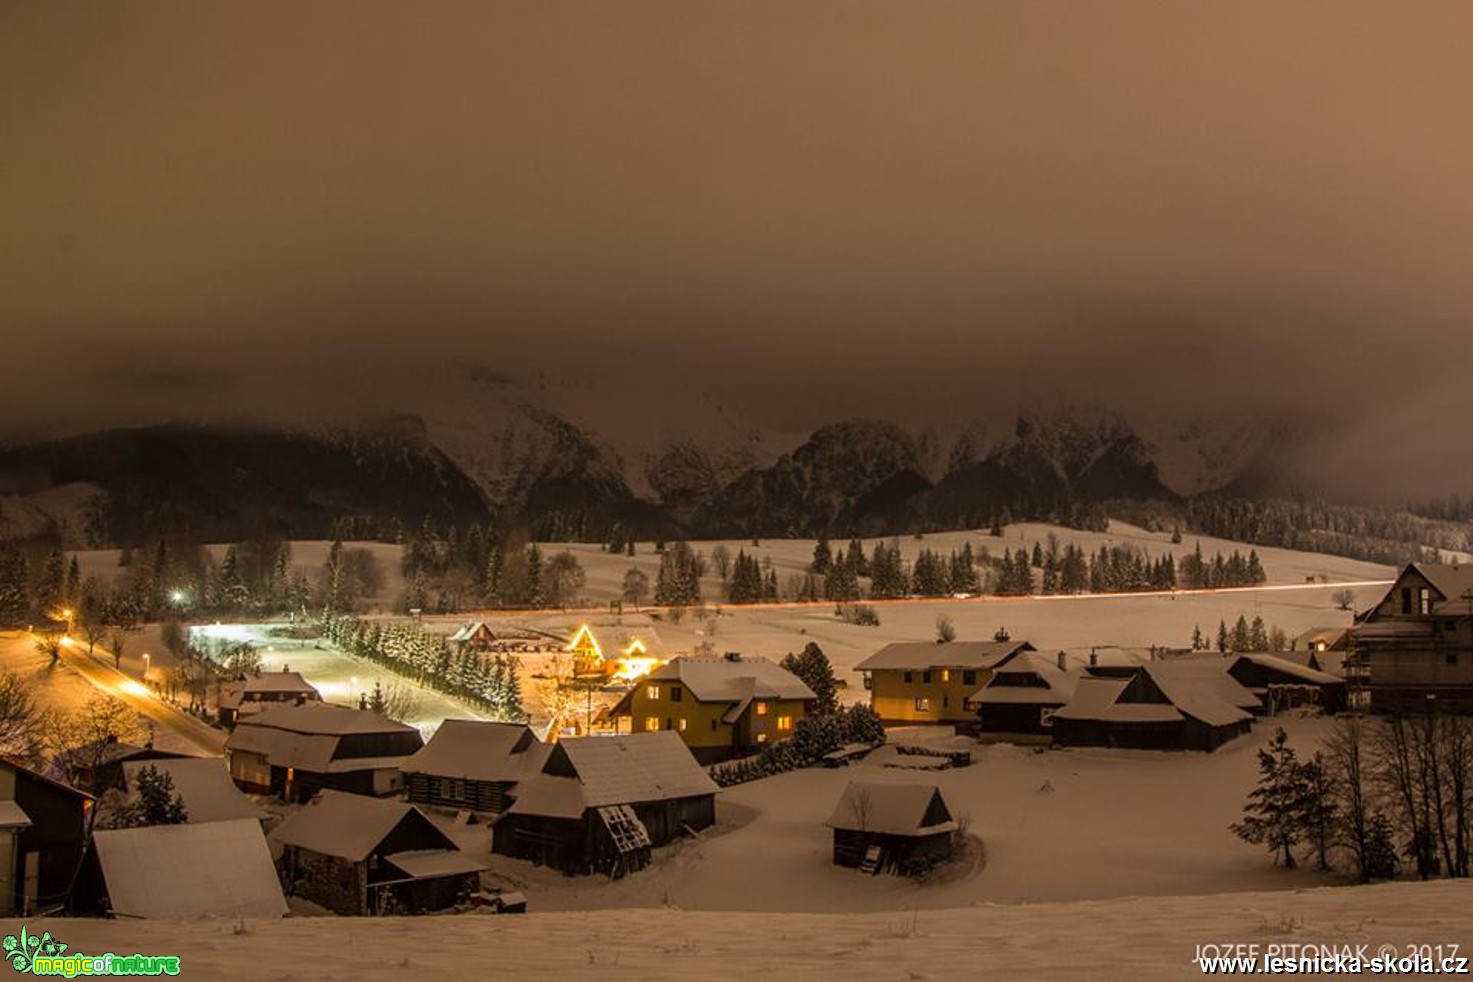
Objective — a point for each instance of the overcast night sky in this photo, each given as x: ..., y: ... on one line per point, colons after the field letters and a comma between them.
x: 815, y: 208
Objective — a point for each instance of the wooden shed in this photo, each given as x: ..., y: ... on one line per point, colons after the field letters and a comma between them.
x: 892, y: 828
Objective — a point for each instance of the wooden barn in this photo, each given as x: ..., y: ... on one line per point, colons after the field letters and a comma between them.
x: 601, y: 804
x: 892, y: 828
x: 1163, y: 706
x: 1022, y: 695
x: 46, y: 822
x: 252, y: 693
x: 181, y: 872
x: 356, y: 855
x: 293, y: 752
x: 473, y: 765
x: 475, y: 635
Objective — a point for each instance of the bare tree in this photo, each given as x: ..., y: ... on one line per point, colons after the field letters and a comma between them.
x: 945, y: 629
x: 50, y: 644
x: 21, y: 729
x: 721, y: 559
x: 1344, y: 598
x: 1347, y: 754
x: 80, y: 739
x: 116, y: 642
x: 636, y: 586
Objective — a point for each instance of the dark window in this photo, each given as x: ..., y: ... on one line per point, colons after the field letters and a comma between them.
x: 676, y: 693
x: 669, y: 723
x: 713, y: 726
x: 1406, y: 600
x: 946, y: 702
x: 969, y: 678
x: 1451, y: 627
x: 1452, y: 659
x: 926, y: 677
x: 907, y: 676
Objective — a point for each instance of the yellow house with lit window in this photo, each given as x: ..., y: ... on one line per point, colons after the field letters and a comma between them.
x: 721, y: 707
x: 929, y: 682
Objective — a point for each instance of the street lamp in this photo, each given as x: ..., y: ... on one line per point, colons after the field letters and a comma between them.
x: 145, y: 666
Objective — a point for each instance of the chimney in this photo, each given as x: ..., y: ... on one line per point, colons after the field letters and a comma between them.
x: 1094, y: 659
x: 1063, y: 662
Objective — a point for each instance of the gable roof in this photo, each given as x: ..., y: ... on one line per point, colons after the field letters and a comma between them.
x: 1202, y: 689
x: 475, y: 750
x: 1332, y: 637
x: 22, y: 771
x: 892, y: 809
x: 232, y: 694
x: 307, y: 736
x: 922, y: 655
x: 348, y: 826
x: 710, y: 679
x: 470, y: 630
x: 186, y: 871
x: 205, y: 785
x: 615, y: 770
x: 1058, y: 684
x: 1450, y: 581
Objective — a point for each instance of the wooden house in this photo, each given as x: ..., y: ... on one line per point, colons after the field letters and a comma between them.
x: 1164, y: 706
x: 475, y: 635
x: 1280, y: 683
x: 250, y: 694
x: 1022, y: 695
x: 357, y: 855
x: 1413, y: 650
x: 473, y: 765
x: 180, y: 872
x: 927, y: 682
x: 720, y: 707
x: 899, y: 828
x: 45, y: 832
x: 1321, y: 648
x: 292, y: 752
x: 600, y: 804
x: 619, y: 647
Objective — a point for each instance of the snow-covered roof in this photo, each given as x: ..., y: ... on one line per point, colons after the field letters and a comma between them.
x: 336, y: 823
x: 474, y: 750
x: 419, y: 863
x: 1308, y: 640
x: 322, y: 717
x: 12, y: 817
x: 283, y: 747
x: 232, y: 694
x: 922, y: 655
x: 892, y: 809
x: 1203, y: 690
x: 1057, y: 688
x: 204, y: 784
x: 223, y: 869
x: 1450, y: 581
x: 470, y: 630
x: 1095, y: 697
x: 717, y: 679
x: 550, y: 796
x: 617, y: 770
x: 1278, y: 664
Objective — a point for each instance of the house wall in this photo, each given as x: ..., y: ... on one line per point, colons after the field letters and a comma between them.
x: 666, y: 820
x: 1014, y: 718
x: 704, y: 732
x: 894, y: 698
x: 57, y: 835
x: 1404, y: 672
x: 481, y: 796
x: 899, y: 853
x: 333, y: 882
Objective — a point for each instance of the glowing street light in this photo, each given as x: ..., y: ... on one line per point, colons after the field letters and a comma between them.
x: 145, y: 666
x: 178, y: 597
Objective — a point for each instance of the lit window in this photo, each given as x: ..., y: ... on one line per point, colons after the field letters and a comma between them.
x: 652, y: 691
x: 946, y: 675
x: 682, y: 724
x: 762, y: 709
x: 1424, y: 601
x: 651, y: 723
x: 923, y: 705
x: 784, y: 723
x: 762, y: 738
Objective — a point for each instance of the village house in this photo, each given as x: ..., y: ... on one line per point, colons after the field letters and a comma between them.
x: 622, y: 652
x: 721, y: 707
x: 1321, y: 648
x: 892, y: 828
x: 213, y: 869
x: 1021, y: 697
x: 600, y: 804
x: 1413, y: 650
x: 475, y: 635
x: 203, y: 784
x: 292, y: 752
x: 1280, y: 683
x: 928, y: 682
x: 252, y: 693
x: 1163, y: 706
x: 473, y: 765
x: 368, y: 856
x: 45, y: 831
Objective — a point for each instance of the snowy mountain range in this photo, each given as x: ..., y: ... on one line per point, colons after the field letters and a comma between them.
x: 569, y: 461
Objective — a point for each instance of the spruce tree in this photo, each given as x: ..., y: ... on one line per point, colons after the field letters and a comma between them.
x: 157, y: 802
x: 812, y: 666
x: 823, y: 558
x: 1275, y: 813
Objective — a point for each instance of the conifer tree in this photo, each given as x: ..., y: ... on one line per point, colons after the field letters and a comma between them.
x: 812, y: 666
x: 823, y: 558
x: 1275, y: 813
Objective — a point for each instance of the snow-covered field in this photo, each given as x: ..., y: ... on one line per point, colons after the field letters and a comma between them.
x: 1129, y: 939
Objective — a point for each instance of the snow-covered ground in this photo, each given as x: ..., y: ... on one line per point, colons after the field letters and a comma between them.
x: 1135, y: 939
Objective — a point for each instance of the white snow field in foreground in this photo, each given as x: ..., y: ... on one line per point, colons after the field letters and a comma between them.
x: 1127, y: 939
